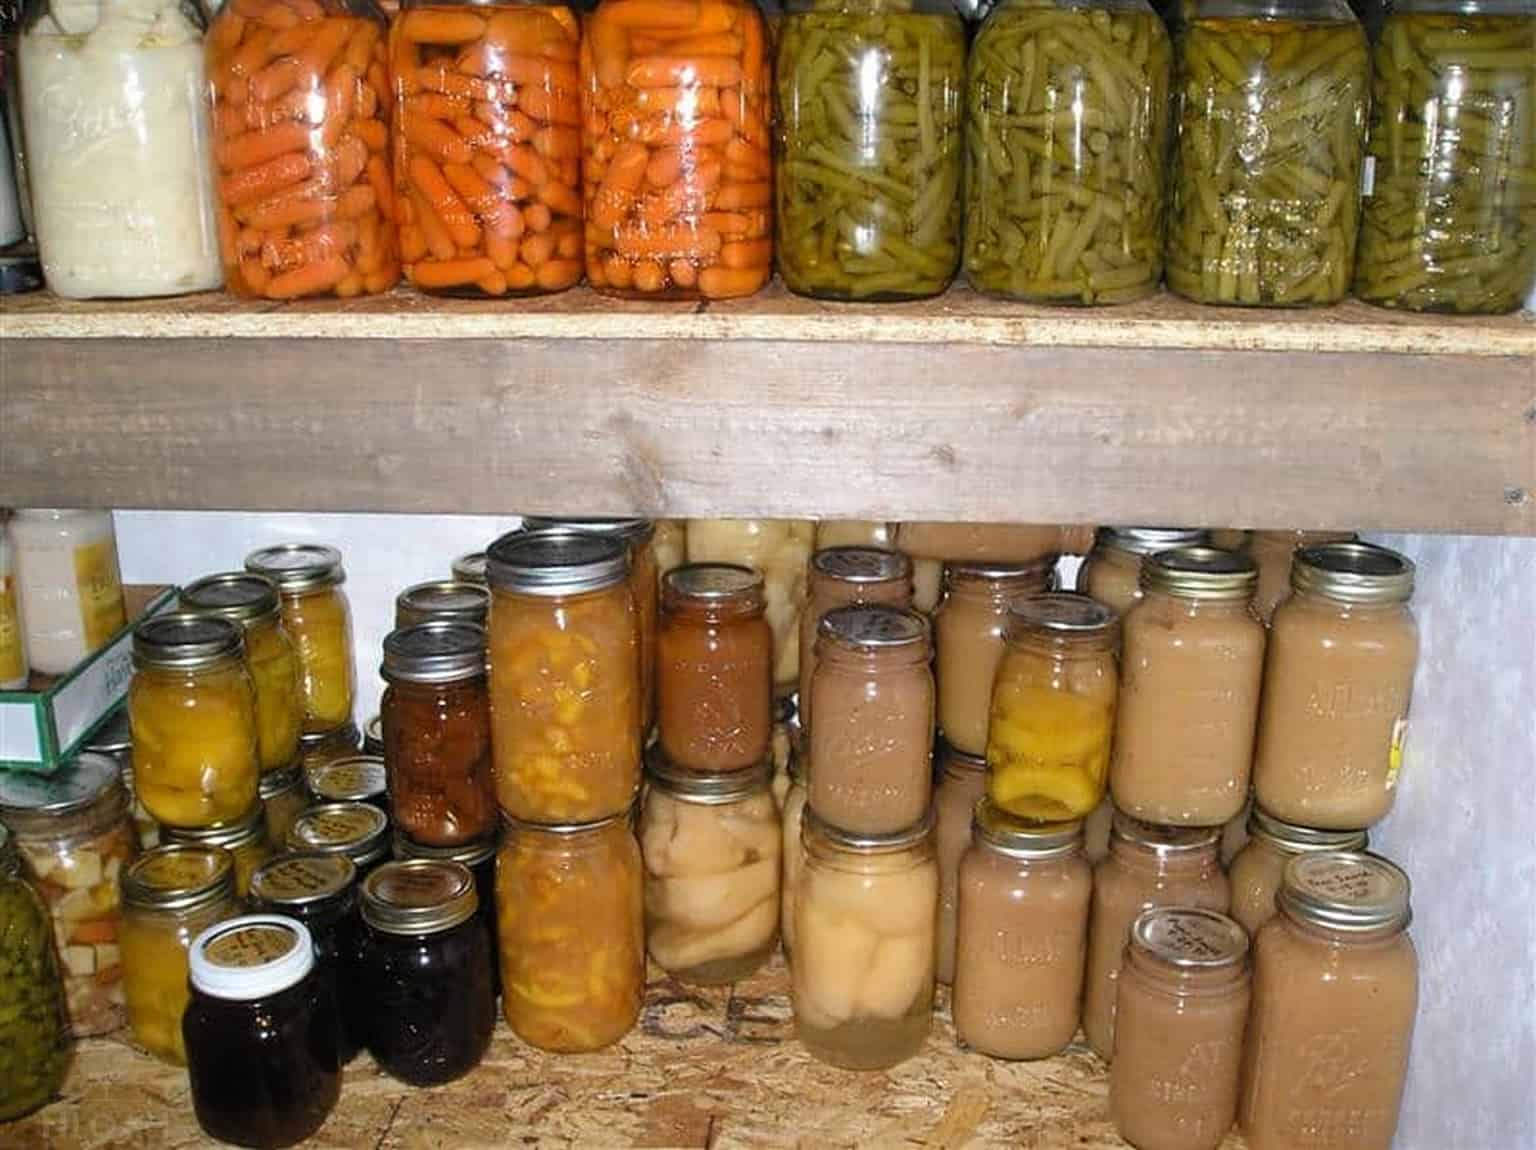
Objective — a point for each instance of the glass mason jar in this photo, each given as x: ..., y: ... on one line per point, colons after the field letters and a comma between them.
x: 864, y: 942
x: 714, y: 669
x: 196, y: 755
x: 170, y: 896
x: 480, y: 858
x: 1335, y: 991
x: 13, y: 643
x: 68, y: 585
x: 871, y: 767
x: 282, y: 799
x: 676, y: 165
x: 319, y: 621
x: 1147, y: 866
x: 320, y: 748
x: 992, y: 542
x: 351, y: 779
x: 1180, y: 1014
x: 270, y: 657
x: 373, y: 737
x: 470, y: 568
x: 1112, y: 572
x: 244, y: 838
x: 792, y: 857
x: 114, y: 739
x: 1022, y: 939
x: 962, y: 781
x: 968, y: 631
x: 710, y: 844
x: 1191, y: 663
x: 301, y: 135
x: 1053, y: 708
x: 437, y: 733
x: 443, y: 601
x: 487, y: 146
x: 1068, y: 123
x: 868, y: 180
x: 426, y: 964
x: 1337, y: 682
x: 1453, y: 112
x: 569, y: 906
x: 564, y: 677
x: 1255, y: 873
x: 34, y: 1026
x: 874, y: 533
x: 1274, y: 552
x: 358, y: 831
x: 669, y: 544
x: 1269, y: 128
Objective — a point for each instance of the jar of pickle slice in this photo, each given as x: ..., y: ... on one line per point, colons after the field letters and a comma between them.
x: 1053, y: 708
x: 319, y: 621
x: 1269, y: 127
x: 196, y: 753
x: 114, y: 738
x: 443, y: 601
x: 1112, y: 572
x: 488, y: 145
x: 170, y: 896
x: 350, y: 779
x: 1274, y: 551
x: 1256, y: 871
x: 356, y: 831
x: 572, y: 932
x: 34, y: 1024
x: 962, y: 782
x: 1067, y: 125
x: 244, y: 838
x: 564, y: 677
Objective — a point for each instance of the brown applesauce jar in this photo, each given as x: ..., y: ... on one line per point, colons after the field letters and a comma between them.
x: 1023, y: 936
x: 968, y: 632
x: 1179, y: 1020
x: 1191, y: 664
x: 1112, y: 572
x: 871, y: 751
x: 1255, y: 872
x: 1335, y: 990
x: 714, y: 668
x: 1273, y: 553
x: 1337, y: 681
x: 962, y: 780
x: 992, y: 542
x: 1147, y: 866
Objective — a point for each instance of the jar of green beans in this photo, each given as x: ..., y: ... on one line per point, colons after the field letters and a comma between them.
x: 869, y: 121
x: 1449, y: 221
x: 1066, y: 135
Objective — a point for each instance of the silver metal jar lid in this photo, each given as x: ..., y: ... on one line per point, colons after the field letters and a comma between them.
x: 419, y: 896
x: 470, y: 854
x: 873, y: 628
x: 357, y: 830
x: 1016, y: 838
x: 557, y: 562
x: 354, y: 779
x: 470, y: 568
x: 31, y: 801
x: 243, y: 597
x: 280, y: 781
x: 451, y: 600
x: 302, y: 879
x: 1150, y: 540
x: 631, y: 531
x: 179, y: 876
x: 713, y: 582
x: 862, y: 565
x: 1164, y: 840
x: 1345, y: 891
x: 904, y: 839
x: 713, y: 788
x: 436, y: 652
x: 1353, y: 573
x: 1041, y: 570
x: 373, y: 736
x: 1297, y: 839
x: 1063, y: 614
x: 1189, y: 938
x: 184, y: 641
x: 298, y: 567
x: 114, y: 737
x: 1204, y: 573
x: 232, y: 835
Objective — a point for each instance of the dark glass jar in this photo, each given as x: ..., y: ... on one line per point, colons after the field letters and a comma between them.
x: 356, y: 830
x: 426, y: 970
x: 480, y: 858
x: 350, y: 779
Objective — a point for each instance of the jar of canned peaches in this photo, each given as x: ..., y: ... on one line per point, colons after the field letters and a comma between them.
x: 319, y: 621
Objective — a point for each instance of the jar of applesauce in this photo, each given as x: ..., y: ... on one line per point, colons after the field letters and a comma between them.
x: 714, y: 668
x: 193, y: 710
x: 572, y: 932
x: 962, y: 783
x: 1112, y: 572
x: 1191, y: 662
x: 1335, y: 991
x: 1022, y: 939
x: 711, y: 847
x: 1274, y: 551
x: 1147, y: 866
x: 992, y: 542
x: 442, y: 601
x: 319, y: 621
x: 244, y: 838
x: 968, y: 630
x: 1257, y: 869
x: 1053, y: 708
x: 170, y: 896
x: 1337, y: 682
x: 871, y: 749
x: 792, y: 856
x: 1179, y: 1019
x: 564, y: 677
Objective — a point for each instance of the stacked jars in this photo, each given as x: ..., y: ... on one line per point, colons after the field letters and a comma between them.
x: 244, y: 839
x: 317, y: 618
x: 1273, y: 552
x: 443, y: 601
x: 355, y: 831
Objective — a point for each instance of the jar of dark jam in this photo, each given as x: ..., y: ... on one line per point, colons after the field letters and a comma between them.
x: 426, y: 970
x: 480, y: 858
x: 321, y: 892
x: 357, y: 830
x: 261, y: 1033
x: 350, y: 779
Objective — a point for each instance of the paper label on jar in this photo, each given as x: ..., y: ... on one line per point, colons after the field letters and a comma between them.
x: 249, y: 946
x: 101, y: 594
x: 1395, y: 754
x: 13, y: 665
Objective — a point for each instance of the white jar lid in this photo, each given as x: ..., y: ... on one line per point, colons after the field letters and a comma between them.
x: 251, y: 957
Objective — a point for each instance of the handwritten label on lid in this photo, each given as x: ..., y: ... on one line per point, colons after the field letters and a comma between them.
x: 250, y: 946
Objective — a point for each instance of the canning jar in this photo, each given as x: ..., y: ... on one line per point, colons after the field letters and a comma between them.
x: 358, y: 831
x: 714, y: 669
x: 1191, y: 662
x: 1068, y: 128
x: 1180, y: 1014
x: 1337, y: 681
x: 301, y: 113
x: 480, y: 858
x: 260, y: 1032
x: 676, y: 167
x: 470, y: 568
x: 564, y: 677
x: 317, y: 748
x: 1335, y: 991
x: 34, y: 1027
x: 13, y: 643
x: 871, y: 767
x: 170, y: 896
x: 968, y: 630
x: 442, y: 601
x: 1274, y: 551
x: 114, y: 738
x: 792, y: 858
x: 962, y: 781
x: 1147, y: 866
x: 118, y: 153
x: 864, y: 942
x: 68, y: 585
x: 569, y: 906
x: 270, y: 657
x: 868, y: 177
x: 244, y: 838
x: 1445, y: 227
x: 282, y: 798
x: 196, y: 755
x: 710, y: 844
x: 992, y: 542
x: 1053, y: 708
x: 1269, y: 127
x: 319, y: 621
x: 1256, y: 871
x: 1022, y: 938
x: 488, y: 145
x: 350, y: 779
x: 373, y: 737
x: 437, y: 733
x: 1112, y: 571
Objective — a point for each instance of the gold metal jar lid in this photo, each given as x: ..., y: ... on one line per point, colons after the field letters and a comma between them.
x: 1360, y: 573
x: 298, y: 567
x: 183, y: 641
x: 1017, y: 838
x: 179, y: 876
x: 862, y: 565
x: 302, y: 882
x: 441, y: 651
x: 419, y: 896
x: 447, y: 600
x: 1063, y: 615
x: 631, y: 531
x: 713, y: 582
x: 354, y: 779
x: 1204, y: 573
x: 1189, y: 938
x: 1347, y: 891
x: 1150, y: 540
x: 232, y: 835
x: 557, y: 562
x: 470, y: 568
x: 470, y: 854
x: 357, y: 830
x: 242, y: 597
x: 1297, y: 839
x: 713, y: 788
x: 872, y: 628
x: 1164, y: 840
x: 281, y: 781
